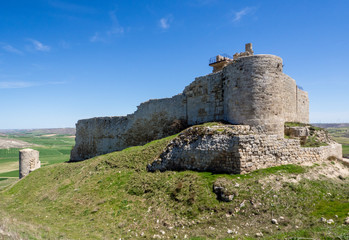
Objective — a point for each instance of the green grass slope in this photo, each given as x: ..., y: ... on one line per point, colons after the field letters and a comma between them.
x: 113, y: 196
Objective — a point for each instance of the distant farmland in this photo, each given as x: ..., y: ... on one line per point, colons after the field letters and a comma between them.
x: 53, y: 148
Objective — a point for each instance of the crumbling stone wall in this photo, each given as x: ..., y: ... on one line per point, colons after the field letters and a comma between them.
x: 153, y: 119
x: 236, y: 149
x: 250, y: 90
x: 205, y: 99
x: 262, y: 151
x: 28, y: 161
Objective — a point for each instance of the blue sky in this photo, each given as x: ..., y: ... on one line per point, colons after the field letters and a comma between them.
x: 61, y: 60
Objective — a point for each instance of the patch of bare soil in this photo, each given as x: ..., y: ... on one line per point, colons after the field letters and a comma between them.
x: 12, y: 143
x: 48, y: 135
x: 336, y: 170
x: 4, y: 231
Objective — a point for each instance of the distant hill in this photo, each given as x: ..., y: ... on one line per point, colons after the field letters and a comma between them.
x: 39, y: 131
x: 331, y: 125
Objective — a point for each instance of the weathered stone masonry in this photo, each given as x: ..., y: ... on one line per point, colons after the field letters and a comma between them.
x: 250, y: 90
x: 236, y: 149
x: 28, y: 161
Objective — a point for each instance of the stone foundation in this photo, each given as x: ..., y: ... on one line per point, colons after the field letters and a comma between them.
x: 236, y: 149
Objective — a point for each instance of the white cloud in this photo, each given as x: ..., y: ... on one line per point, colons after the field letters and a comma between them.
x: 240, y: 14
x: 11, y: 49
x: 114, y: 30
x: 165, y: 22
x: 22, y: 84
x: 39, y: 46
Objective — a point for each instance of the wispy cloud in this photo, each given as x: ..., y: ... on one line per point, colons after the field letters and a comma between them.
x: 23, y: 84
x: 165, y: 22
x: 238, y: 15
x: 114, y: 30
x: 11, y: 49
x: 38, y: 46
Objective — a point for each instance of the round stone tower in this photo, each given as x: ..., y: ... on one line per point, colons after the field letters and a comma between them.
x: 253, y: 92
x: 28, y: 161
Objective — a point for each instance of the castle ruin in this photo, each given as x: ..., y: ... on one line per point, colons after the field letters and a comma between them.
x: 246, y: 90
x: 28, y: 161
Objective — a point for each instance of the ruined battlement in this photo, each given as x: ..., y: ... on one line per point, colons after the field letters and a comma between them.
x: 248, y: 90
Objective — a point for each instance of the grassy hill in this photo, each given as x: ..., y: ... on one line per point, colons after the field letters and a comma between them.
x: 113, y: 196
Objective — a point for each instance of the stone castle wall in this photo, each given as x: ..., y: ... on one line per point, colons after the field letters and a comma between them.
x: 205, y: 99
x: 153, y: 119
x: 302, y: 106
x: 251, y: 90
x: 290, y: 99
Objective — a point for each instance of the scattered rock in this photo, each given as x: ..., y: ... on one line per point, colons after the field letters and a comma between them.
x: 259, y: 234
x: 224, y: 189
x: 95, y: 210
x: 341, y: 177
x: 281, y: 218
x: 274, y: 221
x: 230, y: 231
x: 162, y: 232
x: 330, y: 221
x: 322, y: 219
x: 242, y: 204
x: 346, y: 221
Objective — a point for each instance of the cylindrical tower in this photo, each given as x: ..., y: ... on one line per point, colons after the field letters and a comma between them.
x: 253, y: 92
x: 28, y: 161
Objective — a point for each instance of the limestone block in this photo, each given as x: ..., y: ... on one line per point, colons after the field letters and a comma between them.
x: 28, y: 161
x: 298, y: 131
